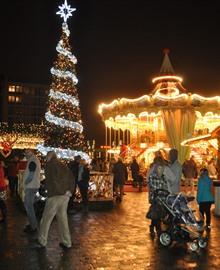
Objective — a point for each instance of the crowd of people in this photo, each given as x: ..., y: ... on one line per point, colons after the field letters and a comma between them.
x: 166, y: 175
x: 62, y: 180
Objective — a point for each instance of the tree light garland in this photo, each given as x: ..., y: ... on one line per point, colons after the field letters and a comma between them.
x: 65, y: 52
x: 64, y: 74
x: 63, y: 122
x: 63, y: 153
x: 62, y: 96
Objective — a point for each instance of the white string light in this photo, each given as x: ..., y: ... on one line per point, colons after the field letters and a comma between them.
x: 62, y: 50
x: 64, y: 74
x: 62, y: 96
x: 63, y: 153
x: 63, y: 122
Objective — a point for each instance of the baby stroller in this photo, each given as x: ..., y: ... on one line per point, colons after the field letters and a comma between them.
x: 181, y: 222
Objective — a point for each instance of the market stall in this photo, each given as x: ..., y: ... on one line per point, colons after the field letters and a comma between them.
x: 100, y: 186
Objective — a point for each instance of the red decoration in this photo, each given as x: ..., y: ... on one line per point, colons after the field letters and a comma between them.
x: 7, y: 145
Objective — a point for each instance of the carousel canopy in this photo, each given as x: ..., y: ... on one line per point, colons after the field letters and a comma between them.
x: 168, y: 93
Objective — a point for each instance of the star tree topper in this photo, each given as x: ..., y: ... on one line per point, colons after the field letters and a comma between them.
x: 65, y: 11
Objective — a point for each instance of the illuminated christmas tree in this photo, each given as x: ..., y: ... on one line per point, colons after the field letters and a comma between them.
x: 63, y: 127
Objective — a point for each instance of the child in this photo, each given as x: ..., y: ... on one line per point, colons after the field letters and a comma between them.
x: 204, y: 196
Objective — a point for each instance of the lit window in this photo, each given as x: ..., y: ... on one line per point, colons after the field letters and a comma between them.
x: 19, y: 89
x: 17, y: 99
x: 11, y: 98
x: 11, y: 88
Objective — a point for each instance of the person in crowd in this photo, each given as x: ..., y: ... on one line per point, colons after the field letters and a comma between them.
x: 135, y: 172
x: 13, y: 175
x: 161, y: 154
x: 111, y: 164
x: 176, y: 168
x: 168, y: 174
x: 22, y: 162
x: 204, y: 196
x: 212, y: 168
x: 31, y: 186
x: 59, y: 184
x: 189, y: 170
x: 83, y: 182
x: 74, y: 167
x: 120, y: 176
x: 156, y: 180
x: 3, y: 189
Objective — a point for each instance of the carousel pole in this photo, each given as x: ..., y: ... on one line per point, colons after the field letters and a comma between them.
x: 106, y: 141
x: 218, y: 155
x: 118, y: 136
x: 110, y: 137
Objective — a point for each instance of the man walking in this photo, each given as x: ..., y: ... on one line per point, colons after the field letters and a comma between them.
x: 31, y: 186
x: 59, y: 185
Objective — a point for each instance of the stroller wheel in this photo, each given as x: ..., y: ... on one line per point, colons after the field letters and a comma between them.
x: 165, y: 239
x: 193, y: 246
x: 202, y: 243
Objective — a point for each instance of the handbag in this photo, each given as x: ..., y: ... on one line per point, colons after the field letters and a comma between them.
x: 155, y: 211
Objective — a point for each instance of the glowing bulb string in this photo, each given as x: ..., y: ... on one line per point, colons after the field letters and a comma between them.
x: 62, y: 96
x: 64, y: 74
x: 63, y: 122
x: 63, y: 153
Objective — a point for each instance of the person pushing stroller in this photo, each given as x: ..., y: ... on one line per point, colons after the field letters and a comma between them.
x: 159, y: 177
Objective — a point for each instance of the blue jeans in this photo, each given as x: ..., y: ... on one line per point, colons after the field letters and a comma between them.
x: 29, y: 199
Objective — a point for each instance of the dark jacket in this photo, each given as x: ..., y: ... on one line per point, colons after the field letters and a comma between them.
x: 59, y: 178
x: 74, y: 167
x: 135, y: 170
x: 84, y: 182
x: 189, y: 169
x: 120, y: 173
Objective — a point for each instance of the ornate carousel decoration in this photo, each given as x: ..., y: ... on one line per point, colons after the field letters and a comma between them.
x: 165, y: 118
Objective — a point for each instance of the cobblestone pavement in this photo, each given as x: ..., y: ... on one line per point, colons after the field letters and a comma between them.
x: 116, y: 238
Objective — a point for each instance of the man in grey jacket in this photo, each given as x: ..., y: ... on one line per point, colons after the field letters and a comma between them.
x: 31, y: 186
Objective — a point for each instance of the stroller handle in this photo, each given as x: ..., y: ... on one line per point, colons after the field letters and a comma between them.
x: 157, y: 191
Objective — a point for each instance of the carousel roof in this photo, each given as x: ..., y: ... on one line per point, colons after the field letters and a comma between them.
x: 168, y: 93
x: 207, y: 137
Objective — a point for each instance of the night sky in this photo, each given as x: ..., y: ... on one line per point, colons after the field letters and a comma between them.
x: 118, y: 44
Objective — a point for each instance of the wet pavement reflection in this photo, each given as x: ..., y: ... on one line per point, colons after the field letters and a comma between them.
x: 116, y: 238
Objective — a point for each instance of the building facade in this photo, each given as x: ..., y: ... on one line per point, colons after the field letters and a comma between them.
x: 22, y: 102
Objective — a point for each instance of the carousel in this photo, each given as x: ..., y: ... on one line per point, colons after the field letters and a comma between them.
x: 165, y: 118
